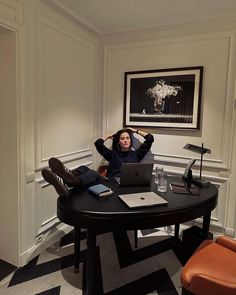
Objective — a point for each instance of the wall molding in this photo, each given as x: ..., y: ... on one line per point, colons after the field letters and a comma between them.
x: 66, y: 158
x: 109, y: 48
x: 212, y: 178
x: 47, y: 225
x: 72, y: 15
x: 42, y: 20
x: 215, y: 225
x: 230, y: 232
x: 12, y: 10
x: 44, y: 243
x: 177, y: 160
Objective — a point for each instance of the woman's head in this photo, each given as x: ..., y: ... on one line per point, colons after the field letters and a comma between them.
x: 122, y: 140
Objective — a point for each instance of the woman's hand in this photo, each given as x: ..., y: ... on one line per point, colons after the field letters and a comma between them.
x: 138, y: 131
x: 132, y: 129
x: 110, y: 136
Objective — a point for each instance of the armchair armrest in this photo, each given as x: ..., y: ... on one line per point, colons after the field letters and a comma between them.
x: 227, y: 242
x: 217, y: 286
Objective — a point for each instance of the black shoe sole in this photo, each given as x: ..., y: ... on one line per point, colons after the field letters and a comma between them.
x: 58, y: 167
x: 51, y: 178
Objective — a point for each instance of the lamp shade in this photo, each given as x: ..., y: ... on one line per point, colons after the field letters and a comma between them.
x: 197, y: 149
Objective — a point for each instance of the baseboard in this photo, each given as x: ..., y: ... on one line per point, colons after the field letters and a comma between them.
x: 26, y: 256
x: 230, y: 232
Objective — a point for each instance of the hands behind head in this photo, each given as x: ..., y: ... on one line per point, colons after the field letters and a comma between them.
x: 132, y: 129
x: 110, y: 136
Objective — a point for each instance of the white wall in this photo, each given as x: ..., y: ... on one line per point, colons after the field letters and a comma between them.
x: 64, y: 121
x: 231, y: 205
x: 54, y: 112
x: 56, y: 106
x: 9, y: 201
x: 215, y: 51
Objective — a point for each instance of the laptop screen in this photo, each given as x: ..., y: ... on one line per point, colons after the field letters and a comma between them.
x: 134, y: 174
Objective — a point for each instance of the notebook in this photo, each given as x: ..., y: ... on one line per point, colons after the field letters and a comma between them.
x: 100, y: 190
x: 133, y: 174
x: 145, y: 199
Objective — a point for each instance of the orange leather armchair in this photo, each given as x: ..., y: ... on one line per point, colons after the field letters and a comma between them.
x: 212, y: 269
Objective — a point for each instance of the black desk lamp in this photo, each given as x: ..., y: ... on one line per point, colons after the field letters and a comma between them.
x: 188, y: 174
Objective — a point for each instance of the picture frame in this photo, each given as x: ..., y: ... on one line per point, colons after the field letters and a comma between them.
x: 163, y: 98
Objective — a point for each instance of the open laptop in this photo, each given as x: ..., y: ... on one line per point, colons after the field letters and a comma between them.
x: 145, y: 199
x: 134, y: 174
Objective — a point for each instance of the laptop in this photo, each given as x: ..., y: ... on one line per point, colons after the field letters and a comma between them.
x: 136, y: 174
x: 145, y: 199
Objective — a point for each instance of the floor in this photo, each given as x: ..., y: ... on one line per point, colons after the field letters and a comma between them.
x: 52, y: 272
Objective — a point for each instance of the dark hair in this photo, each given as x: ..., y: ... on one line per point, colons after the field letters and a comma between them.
x: 116, y: 138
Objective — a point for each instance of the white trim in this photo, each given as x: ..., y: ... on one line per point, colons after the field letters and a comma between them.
x: 211, y: 178
x: 39, y: 21
x: 72, y: 15
x: 230, y: 232
x: 47, y: 225
x: 12, y: 11
x: 165, y: 41
x: 44, y: 244
x: 69, y: 154
x: 181, y: 160
x: 215, y: 226
x: 68, y: 157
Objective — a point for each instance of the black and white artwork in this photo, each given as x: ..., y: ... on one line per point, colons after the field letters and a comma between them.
x: 163, y: 98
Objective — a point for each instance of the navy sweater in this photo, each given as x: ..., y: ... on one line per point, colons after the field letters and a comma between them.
x: 115, y: 158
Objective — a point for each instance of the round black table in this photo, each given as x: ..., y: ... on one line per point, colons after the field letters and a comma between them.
x: 84, y: 210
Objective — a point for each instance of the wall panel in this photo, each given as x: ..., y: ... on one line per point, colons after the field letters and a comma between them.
x: 11, y: 10
x: 64, y: 92
x: 215, y: 52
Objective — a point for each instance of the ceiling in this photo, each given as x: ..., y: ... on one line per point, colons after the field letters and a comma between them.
x: 111, y: 16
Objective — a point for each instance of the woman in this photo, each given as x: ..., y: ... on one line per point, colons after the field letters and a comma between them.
x: 122, y: 150
x: 63, y: 178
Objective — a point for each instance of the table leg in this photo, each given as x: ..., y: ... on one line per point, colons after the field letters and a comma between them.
x: 176, y: 231
x: 136, y: 238
x: 206, y: 225
x: 77, y: 248
x: 91, y: 263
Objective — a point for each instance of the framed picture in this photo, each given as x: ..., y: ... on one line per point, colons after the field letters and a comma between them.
x: 169, y: 98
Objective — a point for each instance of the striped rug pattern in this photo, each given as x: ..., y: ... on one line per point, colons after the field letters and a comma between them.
x: 119, y: 272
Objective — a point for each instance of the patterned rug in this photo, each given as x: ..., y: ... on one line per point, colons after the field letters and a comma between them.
x: 120, y: 271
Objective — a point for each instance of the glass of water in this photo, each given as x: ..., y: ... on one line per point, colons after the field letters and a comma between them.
x: 157, y: 174
x: 162, y: 184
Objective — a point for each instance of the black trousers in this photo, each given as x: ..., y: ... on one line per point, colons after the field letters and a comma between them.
x: 87, y: 175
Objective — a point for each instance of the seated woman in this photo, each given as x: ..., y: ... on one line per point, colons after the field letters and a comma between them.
x: 122, y: 150
x: 63, y: 178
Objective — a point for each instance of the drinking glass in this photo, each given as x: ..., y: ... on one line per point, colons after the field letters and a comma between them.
x: 162, y: 184
x: 157, y: 174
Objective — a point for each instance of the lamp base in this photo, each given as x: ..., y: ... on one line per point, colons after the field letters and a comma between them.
x: 200, y: 182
